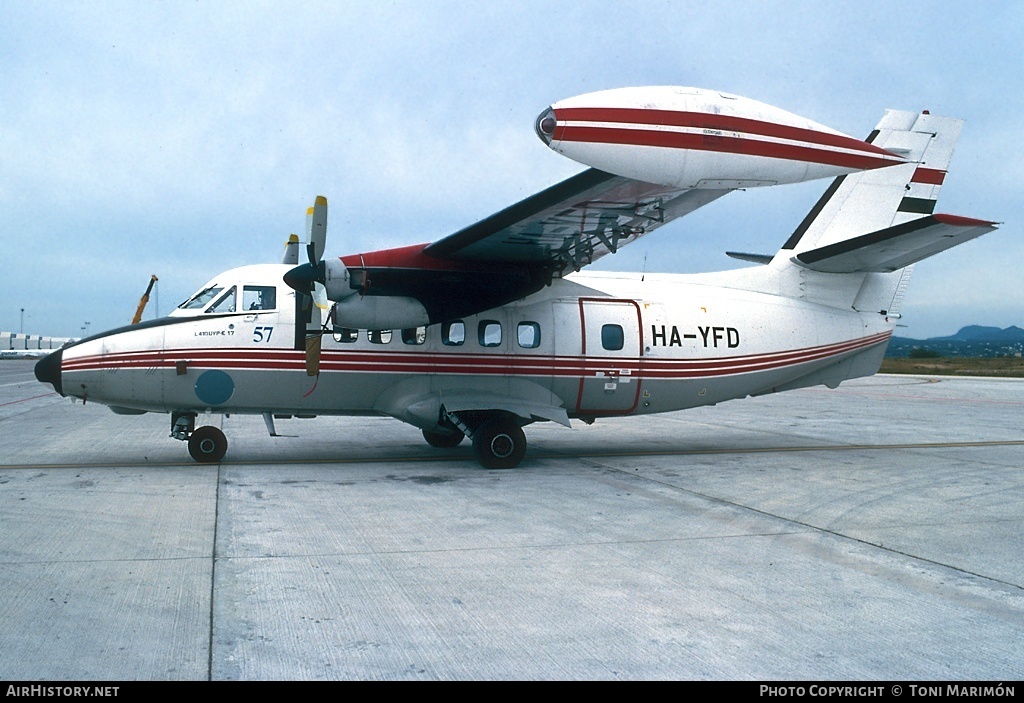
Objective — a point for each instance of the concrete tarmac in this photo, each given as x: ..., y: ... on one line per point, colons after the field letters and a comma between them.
x: 871, y: 532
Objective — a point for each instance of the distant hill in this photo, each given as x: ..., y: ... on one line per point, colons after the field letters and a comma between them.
x: 973, y: 341
x: 979, y: 333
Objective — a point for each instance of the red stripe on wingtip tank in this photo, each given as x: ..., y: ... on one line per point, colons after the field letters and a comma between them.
x: 703, y: 120
x: 730, y: 145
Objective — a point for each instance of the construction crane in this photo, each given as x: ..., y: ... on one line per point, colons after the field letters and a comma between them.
x: 145, y: 299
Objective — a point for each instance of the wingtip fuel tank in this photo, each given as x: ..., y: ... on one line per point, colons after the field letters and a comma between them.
x: 697, y: 138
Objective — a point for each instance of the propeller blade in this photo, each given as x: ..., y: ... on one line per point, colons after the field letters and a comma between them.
x: 324, y: 281
x: 310, y: 247
x: 320, y: 296
x: 308, y: 281
x: 314, y: 330
x: 316, y: 223
x: 291, y: 250
x: 313, y: 354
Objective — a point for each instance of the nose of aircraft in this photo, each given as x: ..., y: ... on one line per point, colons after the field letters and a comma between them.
x: 48, y: 370
x: 545, y: 125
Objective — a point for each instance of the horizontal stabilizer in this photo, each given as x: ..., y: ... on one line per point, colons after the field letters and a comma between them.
x: 755, y: 258
x: 895, y: 247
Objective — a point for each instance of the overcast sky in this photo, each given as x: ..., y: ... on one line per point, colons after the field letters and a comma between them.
x: 185, y: 138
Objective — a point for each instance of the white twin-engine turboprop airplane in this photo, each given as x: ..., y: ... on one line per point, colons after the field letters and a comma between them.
x: 494, y: 327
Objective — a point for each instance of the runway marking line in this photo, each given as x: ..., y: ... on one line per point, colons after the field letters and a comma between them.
x: 35, y: 397
x: 539, y: 455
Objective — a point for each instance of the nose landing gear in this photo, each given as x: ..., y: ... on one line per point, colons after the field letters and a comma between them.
x: 207, y: 445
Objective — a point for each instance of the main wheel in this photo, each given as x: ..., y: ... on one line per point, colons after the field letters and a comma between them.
x: 444, y: 440
x: 499, y: 444
x: 207, y: 445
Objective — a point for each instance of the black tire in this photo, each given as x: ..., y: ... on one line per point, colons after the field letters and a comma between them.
x: 499, y: 443
x: 207, y: 445
x: 444, y: 440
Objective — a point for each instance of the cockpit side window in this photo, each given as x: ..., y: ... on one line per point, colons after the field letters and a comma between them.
x: 226, y: 303
x: 259, y: 298
x: 200, y: 299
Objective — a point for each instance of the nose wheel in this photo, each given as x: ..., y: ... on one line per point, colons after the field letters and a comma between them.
x: 207, y: 445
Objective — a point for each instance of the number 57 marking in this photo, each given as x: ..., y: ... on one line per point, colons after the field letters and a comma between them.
x: 259, y: 332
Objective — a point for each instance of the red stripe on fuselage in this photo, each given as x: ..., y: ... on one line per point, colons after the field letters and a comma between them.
x: 468, y: 364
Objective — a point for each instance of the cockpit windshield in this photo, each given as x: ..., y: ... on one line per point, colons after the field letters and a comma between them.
x: 200, y: 299
x: 226, y: 303
x: 240, y: 291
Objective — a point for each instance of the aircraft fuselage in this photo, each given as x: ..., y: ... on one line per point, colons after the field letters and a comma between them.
x: 588, y: 346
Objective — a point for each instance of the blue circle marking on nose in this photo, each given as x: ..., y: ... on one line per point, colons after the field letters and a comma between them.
x: 214, y: 387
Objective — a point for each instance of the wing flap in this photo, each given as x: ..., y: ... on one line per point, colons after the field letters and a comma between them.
x: 893, y: 248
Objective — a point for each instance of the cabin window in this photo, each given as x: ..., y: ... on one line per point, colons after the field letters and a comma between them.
x: 453, y: 334
x: 612, y: 337
x: 259, y: 298
x: 489, y: 333
x: 414, y: 335
x: 529, y: 335
x: 200, y: 299
x: 225, y: 304
x: 379, y: 336
x: 346, y: 335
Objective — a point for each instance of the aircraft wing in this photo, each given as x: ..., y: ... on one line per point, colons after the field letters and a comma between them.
x: 573, y: 223
x: 507, y: 256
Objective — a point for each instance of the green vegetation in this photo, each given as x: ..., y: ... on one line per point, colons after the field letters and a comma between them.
x: 1004, y: 366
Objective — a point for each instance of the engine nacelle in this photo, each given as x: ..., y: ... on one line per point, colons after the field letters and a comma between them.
x: 695, y: 138
x: 380, y: 313
x: 338, y: 280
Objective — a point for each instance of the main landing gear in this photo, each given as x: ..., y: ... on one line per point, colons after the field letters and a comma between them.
x: 207, y: 445
x: 498, y: 440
